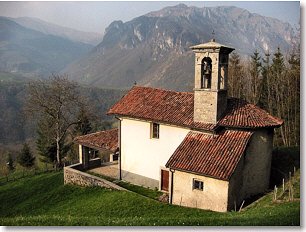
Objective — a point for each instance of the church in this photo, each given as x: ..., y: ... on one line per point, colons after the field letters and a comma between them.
x: 203, y: 148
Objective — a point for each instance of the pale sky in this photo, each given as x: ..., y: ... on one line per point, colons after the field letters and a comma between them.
x: 96, y: 16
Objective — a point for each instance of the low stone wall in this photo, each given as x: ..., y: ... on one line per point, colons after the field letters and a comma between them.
x: 76, y: 177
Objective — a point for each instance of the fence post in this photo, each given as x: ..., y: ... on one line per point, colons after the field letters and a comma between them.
x: 241, y: 205
x: 275, y: 192
x: 235, y: 206
x: 289, y: 188
x: 294, y: 170
x: 283, y: 185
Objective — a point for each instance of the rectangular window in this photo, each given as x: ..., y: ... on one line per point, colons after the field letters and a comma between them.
x: 198, y: 184
x: 155, y: 130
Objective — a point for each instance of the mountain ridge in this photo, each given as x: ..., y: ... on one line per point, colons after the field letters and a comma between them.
x: 153, y: 49
x: 48, y: 28
x: 32, y: 53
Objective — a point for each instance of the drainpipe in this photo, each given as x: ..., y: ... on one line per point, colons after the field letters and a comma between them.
x: 171, y: 187
x: 119, y: 143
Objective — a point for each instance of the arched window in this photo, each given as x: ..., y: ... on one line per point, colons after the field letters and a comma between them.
x: 206, y: 73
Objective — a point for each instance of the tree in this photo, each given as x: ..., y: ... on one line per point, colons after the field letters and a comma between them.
x: 235, y: 76
x: 254, y: 81
x: 25, y: 158
x: 45, y: 143
x: 294, y: 76
x: 84, y: 125
x: 279, y: 89
x: 56, y: 101
x: 4, y: 171
x: 265, y: 99
x: 46, y: 146
x: 10, y: 162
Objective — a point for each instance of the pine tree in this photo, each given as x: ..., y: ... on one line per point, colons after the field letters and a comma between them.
x: 84, y: 126
x: 265, y: 98
x: 255, y: 80
x: 294, y: 91
x: 279, y: 89
x: 45, y: 146
x: 235, y: 76
x: 25, y: 158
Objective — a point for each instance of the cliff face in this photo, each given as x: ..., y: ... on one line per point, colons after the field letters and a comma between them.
x: 153, y: 49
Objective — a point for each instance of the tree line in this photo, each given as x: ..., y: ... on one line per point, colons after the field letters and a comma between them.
x: 59, y: 110
x: 272, y: 82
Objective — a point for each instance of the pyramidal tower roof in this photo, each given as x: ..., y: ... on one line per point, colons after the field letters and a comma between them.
x: 212, y: 45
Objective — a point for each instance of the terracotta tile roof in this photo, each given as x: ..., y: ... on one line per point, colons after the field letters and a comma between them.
x: 176, y: 108
x: 212, y: 155
x: 106, y: 140
x: 242, y: 114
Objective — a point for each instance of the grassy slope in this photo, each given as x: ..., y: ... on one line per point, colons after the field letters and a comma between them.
x: 44, y: 200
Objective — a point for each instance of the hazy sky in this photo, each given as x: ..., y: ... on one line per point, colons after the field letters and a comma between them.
x: 96, y: 16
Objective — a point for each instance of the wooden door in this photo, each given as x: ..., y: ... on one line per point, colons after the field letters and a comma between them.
x: 164, y: 180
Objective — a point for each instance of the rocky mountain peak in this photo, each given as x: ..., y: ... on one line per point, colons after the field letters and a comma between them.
x: 153, y: 49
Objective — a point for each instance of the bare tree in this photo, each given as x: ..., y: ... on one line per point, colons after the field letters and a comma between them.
x: 57, y: 100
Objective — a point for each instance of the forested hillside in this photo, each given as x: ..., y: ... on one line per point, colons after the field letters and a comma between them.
x: 16, y: 127
x: 271, y: 81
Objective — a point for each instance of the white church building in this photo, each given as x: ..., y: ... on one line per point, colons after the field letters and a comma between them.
x: 205, y: 149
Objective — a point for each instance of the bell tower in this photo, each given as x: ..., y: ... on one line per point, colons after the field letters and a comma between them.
x: 210, y: 81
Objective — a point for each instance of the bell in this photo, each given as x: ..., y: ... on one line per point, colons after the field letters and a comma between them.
x: 207, y: 71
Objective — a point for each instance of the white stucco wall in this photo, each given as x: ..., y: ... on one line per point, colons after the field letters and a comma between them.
x: 142, y: 155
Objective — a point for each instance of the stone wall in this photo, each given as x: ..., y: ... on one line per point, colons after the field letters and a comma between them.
x: 209, y: 105
x: 76, y: 177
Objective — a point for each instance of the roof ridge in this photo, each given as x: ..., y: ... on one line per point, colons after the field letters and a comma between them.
x: 177, y: 108
x: 97, y: 132
x: 166, y: 90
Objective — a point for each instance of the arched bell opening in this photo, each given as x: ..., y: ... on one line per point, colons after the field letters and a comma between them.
x: 206, y: 71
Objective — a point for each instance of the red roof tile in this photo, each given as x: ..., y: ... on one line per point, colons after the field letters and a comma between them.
x: 176, y: 108
x: 242, y: 114
x: 107, y: 140
x: 211, y: 155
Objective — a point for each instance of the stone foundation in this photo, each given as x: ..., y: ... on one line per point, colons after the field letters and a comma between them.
x: 139, y: 180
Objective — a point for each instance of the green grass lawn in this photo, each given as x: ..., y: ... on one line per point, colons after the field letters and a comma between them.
x: 44, y: 200
x: 154, y: 194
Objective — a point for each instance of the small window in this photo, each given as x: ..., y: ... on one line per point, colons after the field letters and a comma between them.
x: 198, y: 184
x: 155, y: 130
